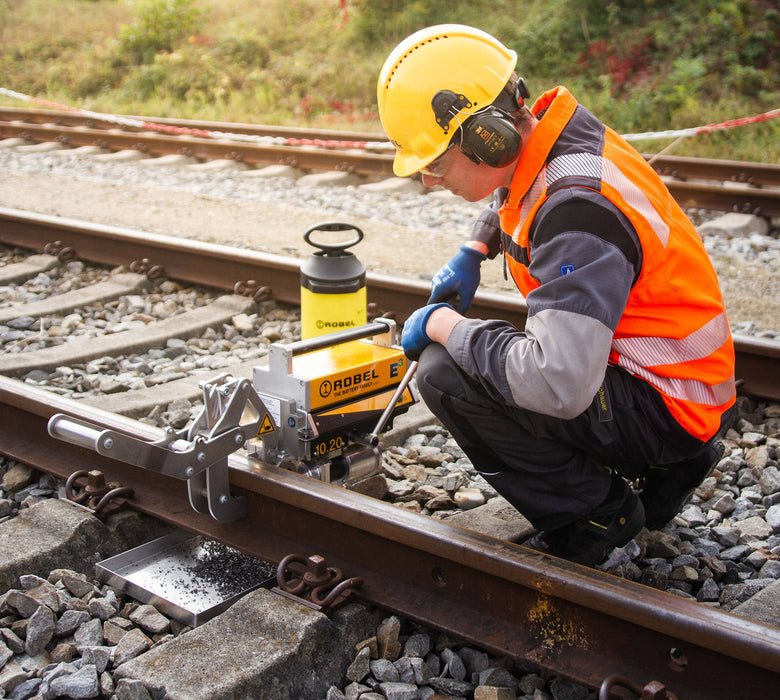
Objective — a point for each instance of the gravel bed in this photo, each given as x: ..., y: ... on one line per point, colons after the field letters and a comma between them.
x: 247, y: 338
x: 92, y: 320
x: 407, y: 209
x: 408, y: 234
x: 405, y: 661
x: 722, y: 549
x: 748, y: 265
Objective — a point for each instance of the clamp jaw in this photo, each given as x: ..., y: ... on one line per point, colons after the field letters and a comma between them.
x: 232, y: 413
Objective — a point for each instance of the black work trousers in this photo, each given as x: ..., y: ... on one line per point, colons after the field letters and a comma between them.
x: 554, y: 470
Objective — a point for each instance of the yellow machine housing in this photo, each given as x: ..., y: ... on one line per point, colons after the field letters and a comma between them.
x: 323, y: 313
x: 317, y: 408
x: 323, y: 395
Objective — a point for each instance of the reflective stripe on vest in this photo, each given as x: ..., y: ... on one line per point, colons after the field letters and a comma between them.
x: 635, y: 354
x: 598, y: 168
x: 684, y: 389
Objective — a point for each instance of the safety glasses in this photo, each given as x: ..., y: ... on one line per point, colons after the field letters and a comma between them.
x: 436, y: 168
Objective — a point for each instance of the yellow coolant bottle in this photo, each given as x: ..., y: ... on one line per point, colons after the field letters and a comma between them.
x: 333, y: 284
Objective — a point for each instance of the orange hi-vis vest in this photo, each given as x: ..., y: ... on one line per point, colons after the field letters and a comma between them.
x: 674, y: 332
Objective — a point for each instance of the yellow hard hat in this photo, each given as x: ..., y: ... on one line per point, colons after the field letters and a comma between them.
x: 464, y: 68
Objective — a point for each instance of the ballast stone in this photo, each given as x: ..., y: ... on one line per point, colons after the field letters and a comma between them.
x: 264, y: 645
x: 734, y: 225
x: 54, y: 534
x: 329, y: 179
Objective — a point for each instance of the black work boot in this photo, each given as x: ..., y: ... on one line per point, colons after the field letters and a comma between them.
x: 590, y: 538
x: 667, y: 487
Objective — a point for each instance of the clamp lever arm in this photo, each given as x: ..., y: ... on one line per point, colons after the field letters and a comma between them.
x: 198, y: 453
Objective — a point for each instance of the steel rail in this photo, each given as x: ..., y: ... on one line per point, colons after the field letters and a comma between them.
x: 573, y: 621
x: 679, y: 167
x: 308, y: 158
x: 726, y: 197
x: 747, y: 198
x: 224, y: 267
x: 756, y: 366
x: 220, y: 266
x: 73, y: 119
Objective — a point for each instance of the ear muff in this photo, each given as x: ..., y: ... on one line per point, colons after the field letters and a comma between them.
x: 490, y: 137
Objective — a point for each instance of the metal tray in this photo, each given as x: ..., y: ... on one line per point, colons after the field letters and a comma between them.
x: 179, y: 574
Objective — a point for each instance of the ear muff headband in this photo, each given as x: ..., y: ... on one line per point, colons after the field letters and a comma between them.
x: 447, y: 105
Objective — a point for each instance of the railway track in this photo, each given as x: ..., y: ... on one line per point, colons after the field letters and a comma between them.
x: 573, y: 621
x: 696, y: 183
x: 247, y: 272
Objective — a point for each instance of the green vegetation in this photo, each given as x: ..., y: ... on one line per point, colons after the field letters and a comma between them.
x: 640, y: 65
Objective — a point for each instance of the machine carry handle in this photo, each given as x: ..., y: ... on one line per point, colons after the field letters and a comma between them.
x: 376, y: 327
x: 333, y: 248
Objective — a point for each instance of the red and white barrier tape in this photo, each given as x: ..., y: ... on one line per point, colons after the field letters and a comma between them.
x: 730, y: 124
x: 201, y: 133
x: 373, y: 145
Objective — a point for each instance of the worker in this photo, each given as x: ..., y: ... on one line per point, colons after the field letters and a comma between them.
x: 603, y: 414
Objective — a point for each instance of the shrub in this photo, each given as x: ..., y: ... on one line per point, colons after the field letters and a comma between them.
x: 160, y: 25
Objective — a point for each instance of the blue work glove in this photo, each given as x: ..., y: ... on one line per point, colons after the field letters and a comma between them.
x: 414, y: 339
x: 458, y: 280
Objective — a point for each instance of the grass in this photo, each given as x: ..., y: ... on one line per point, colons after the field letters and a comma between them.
x: 673, y: 65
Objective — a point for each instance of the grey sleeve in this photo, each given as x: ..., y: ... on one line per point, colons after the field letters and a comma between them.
x: 557, y: 364
x: 536, y: 370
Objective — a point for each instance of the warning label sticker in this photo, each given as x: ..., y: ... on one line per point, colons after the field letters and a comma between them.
x: 273, y: 405
x: 267, y: 426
